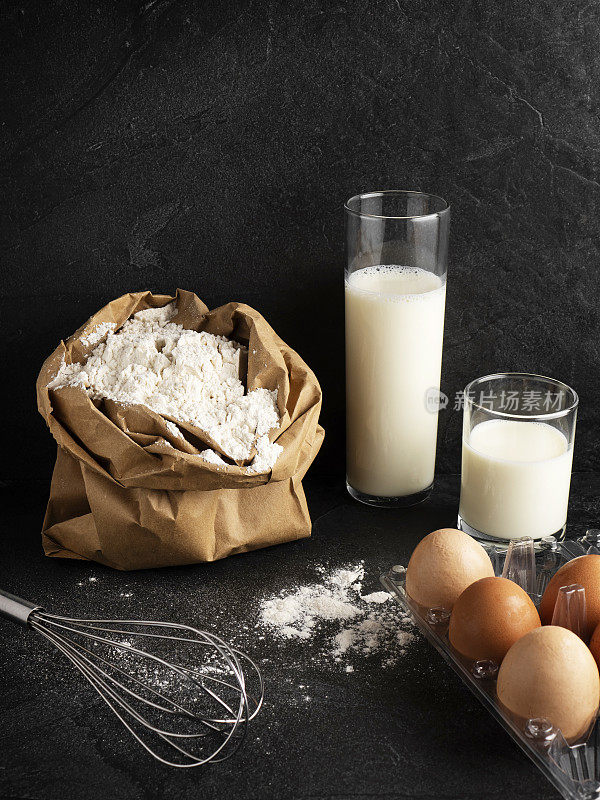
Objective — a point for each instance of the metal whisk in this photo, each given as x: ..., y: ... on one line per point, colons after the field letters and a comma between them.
x: 181, y: 692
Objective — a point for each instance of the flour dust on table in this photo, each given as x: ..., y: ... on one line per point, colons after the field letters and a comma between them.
x: 337, y: 621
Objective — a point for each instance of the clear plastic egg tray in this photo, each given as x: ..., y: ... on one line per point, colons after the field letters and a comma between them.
x: 573, y: 769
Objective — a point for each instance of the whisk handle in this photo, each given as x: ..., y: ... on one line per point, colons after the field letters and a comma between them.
x: 15, y: 608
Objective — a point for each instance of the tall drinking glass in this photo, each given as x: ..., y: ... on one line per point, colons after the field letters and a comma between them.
x: 395, y: 289
x: 517, y: 453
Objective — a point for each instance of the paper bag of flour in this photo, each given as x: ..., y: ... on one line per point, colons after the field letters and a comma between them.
x: 131, y: 492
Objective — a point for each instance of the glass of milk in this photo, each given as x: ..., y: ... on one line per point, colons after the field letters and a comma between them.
x: 395, y: 289
x: 517, y: 453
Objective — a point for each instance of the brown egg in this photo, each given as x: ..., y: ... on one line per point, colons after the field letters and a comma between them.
x: 595, y: 644
x: 584, y: 570
x: 442, y: 565
x: 489, y: 617
x: 550, y: 673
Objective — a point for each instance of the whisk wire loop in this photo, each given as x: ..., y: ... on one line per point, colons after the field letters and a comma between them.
x: 144, y: 689
x: 132, y: 650
x: 70, y: 649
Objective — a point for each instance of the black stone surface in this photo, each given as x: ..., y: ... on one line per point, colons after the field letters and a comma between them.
x: 412, y: 731
x: 211, y: 146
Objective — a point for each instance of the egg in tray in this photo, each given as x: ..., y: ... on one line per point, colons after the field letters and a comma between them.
x: 522, y: 629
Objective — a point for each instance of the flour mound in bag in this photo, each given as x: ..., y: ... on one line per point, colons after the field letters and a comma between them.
x: 191, y: 376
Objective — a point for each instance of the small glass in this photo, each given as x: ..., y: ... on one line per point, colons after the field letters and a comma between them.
x: 517, y: 455
x: 395, y: 289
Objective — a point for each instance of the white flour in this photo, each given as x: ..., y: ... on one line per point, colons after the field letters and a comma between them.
x: 97, y: 334
x: 191, y: 376
x: 350, y: 623
x: 376, y: 597
x: 173, y: 430
x: 212, y: 457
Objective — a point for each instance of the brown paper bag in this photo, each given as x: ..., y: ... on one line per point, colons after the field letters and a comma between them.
x: 127, y: 493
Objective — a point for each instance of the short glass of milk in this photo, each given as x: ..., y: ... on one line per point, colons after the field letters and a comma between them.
x: 395, y: 290
x: 517, y: 454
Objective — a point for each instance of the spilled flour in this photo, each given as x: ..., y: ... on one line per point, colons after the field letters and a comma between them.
x: 350, y: 623
x: 329, y: 623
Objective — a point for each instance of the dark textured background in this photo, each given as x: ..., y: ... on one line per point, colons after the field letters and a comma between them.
x: 408, y: 732
x: 211, y: 146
